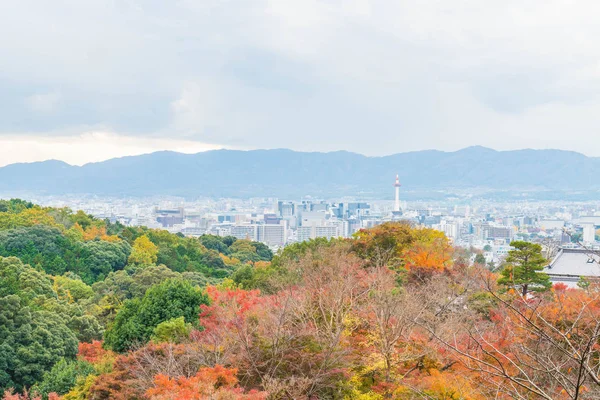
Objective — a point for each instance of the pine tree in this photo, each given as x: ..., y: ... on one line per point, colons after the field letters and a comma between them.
x: 524, y: 268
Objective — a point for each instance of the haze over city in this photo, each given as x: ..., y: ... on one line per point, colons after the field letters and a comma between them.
x: 88, y: 81
x: 299, y: 200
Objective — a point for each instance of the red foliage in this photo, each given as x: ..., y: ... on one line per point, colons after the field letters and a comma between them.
x: 560, y: 287
x: 209, y: 383
x: 9, y: 395
x: 92, y: 352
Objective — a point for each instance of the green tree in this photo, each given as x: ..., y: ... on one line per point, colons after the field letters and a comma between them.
x: 523, y: 270
x: 214, y: 243
x: 174, y: 330
x: 263, y: 251
x: 136, y: 321
x: 14, y: 206
x: 99, y: 258
x: 40, y: 246
x: 480, y: 259
x: 19, y: 279
x: 63, y: 376
x: 84, y: 220
x: 31, y: 342
x: 72, y: 288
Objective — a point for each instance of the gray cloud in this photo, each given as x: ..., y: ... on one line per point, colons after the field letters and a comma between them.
x: 375, y: 77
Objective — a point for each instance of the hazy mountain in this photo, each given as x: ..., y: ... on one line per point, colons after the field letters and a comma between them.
x: 286, y: 173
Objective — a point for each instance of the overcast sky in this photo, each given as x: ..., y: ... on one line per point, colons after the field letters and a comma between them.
x: 89, y: 80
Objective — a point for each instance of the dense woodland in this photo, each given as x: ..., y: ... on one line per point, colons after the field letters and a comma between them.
x: 94, y: 310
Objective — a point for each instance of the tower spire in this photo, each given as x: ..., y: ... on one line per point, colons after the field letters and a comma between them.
x: 397, y: 201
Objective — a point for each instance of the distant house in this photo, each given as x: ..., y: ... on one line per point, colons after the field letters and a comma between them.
x: 570, y: 265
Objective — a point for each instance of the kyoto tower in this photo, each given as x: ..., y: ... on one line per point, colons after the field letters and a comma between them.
x: 397, y: 202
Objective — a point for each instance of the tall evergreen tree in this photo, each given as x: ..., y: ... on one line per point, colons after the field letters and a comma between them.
x: 524, y: 268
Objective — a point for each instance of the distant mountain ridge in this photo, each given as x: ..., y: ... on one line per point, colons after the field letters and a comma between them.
x: 290, y: 174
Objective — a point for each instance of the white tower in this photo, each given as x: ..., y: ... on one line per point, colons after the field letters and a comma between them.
x: 397, y: 202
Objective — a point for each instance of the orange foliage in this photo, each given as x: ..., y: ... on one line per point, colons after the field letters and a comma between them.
x: 262, y: 264
x: 437, y: 256
x: 94, y: 232
x: 216, y: 383
x: 92, y: 352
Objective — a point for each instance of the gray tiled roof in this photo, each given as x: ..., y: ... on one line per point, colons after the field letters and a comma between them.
x: 574, y: 262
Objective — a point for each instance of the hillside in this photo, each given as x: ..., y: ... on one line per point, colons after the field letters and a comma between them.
x: 286, y: 173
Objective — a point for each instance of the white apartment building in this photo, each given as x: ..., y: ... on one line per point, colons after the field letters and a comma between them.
x: 272, y: 235
x: 245, y: 232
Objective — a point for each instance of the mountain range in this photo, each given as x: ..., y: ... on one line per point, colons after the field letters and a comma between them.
x: 290, y: 174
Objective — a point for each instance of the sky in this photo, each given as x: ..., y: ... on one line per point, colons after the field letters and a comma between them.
x: 85, y: 81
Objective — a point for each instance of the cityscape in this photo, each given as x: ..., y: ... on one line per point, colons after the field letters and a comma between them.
x: 483, y: 225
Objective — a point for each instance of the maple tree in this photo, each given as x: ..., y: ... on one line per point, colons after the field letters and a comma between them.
x: 216, y: 383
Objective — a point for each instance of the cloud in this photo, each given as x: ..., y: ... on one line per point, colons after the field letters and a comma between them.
x: 376, y: 77
x: 88, y: 147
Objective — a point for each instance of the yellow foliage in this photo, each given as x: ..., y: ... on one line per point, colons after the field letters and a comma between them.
x: 229, y: 261
x: 81, y: 389
x: 28, y: 217
x: 355, y: 393
x: 143, y: 252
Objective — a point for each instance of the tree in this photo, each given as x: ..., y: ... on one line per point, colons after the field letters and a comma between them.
x: 71, y: 288
x: 19, y: 279
x: 136, y: 321
x: 384, y: 244
x: 174, y: 330
x: 143, y: 252
x: 27, y: 217
x: 14, y: 206
x: 295, y: 343
x: 63, y: 376
x: 40, y: 246
x: 31, y: 342
x: 524, y: 269
x: 214, y: 243
x: 208, y: 383
x: 82, y: 219
x: 479, y: 259
x: 98, y: 258
x: 544, y: 347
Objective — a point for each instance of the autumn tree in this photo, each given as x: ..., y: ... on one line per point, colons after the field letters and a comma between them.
x: 544, y: 347
x: 384, y: 244
x: 296, y: 343
x: 143, y: 252
x: 208, y: 383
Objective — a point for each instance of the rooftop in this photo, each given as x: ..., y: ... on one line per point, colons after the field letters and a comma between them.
x: 575, y: 262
